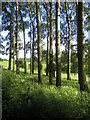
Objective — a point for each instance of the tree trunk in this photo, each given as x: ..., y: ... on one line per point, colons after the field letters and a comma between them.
x: 25, y: 70
x: 51, y: 46
x: 17, y: 40
x: 10, y: 52
x: 89, y: 60
x: 32, y: 45
x: 58, y: 59
x: 69, y: 54
x: 47, y: 46
x: 33, y: 51
x: 30, y: 50
x: 69, y: 45
x: 13, y: 49
x: 81, y: 50
x: 23, y: 24
x: 11, y: 39
x: 77, y: 22
x: 39, y: 44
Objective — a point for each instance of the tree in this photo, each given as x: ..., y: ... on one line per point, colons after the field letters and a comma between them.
x: 23, y: 24
x: 51, y: 46
x: 47, y: 66
x: 13, y: 49
x: 11, y: 38
x: 30, y: 49
x: 58, y: 60
x: 32, y: 45
x: 69, y: 44
x: 17, y: 39
x: 33, y: 50
x: 39, y: 44
x: 81, y: 50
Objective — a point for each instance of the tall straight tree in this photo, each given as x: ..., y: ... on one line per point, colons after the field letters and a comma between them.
x: 30, y: 49
x: 12, y: 8
x: 13, y: 49
x: 47, y: 67
x: 58, y: 60
x: 69, y: 44
x: 51, y: 74
x: 32, y: 45
x: 81, y: 49
x: 23, y: 24
x: 11, y: 38
x: 33, y: 50
x: 17, y: 39
x: 39, y: 44
x: 25, y: 68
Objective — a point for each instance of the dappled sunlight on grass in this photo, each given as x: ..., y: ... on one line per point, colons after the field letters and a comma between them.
x: 24, y: 98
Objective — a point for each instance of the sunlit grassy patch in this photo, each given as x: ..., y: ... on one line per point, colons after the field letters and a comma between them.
x: 23, y: 97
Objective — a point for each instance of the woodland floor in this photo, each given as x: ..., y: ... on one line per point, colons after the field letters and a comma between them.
x: 23, y: 98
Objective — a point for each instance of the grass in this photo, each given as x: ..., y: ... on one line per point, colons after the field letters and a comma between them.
x: 23, y: 98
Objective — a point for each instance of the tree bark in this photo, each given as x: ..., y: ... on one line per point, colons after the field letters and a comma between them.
x: 39, y: 44
x: 33, y: 51
x: 47, y: 45
x: 25, y: 69
x: 17, y: 40
x: 51, y: 46
x: 81, y: 49
x: 89, y: 60
x: 47, y: 67
x: 11, y: 39
x: 69, y: 45
x: 32, y: 45
x: 13, y: 49
x: 23, y: 25
x: 30, y: 50
x: 58, y: 59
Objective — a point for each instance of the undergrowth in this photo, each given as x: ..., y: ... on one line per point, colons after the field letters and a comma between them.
x: 23, y: 98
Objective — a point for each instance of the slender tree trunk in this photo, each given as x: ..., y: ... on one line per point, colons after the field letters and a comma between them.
x: 13, y: 50
x: 47, y: 67
x: 17, y: 40
x: 11, y: 39
x: 25, y: 69
x: 89, y: 60
x: 77, y: 22
x: 30, y: 51
x: 81, y: 50
x: 69, y: 54
x: 32, y: 45
x: 51, y: 46
x: 23, y: 24
x: 58, y: 59
x: 10, y: 52
x: 69, y: 45
x: 47, y: 46
x: 33, y: 51
x: 39, y: 44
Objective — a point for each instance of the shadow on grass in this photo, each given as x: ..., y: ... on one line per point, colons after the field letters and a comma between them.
x: 43, y: 103
x: 43, y: 106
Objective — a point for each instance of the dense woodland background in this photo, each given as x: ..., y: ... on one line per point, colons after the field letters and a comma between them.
x: 46, y: 85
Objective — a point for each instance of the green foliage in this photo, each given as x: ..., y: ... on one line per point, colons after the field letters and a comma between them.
x: 21, y: 63
x: 24, y: 98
